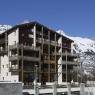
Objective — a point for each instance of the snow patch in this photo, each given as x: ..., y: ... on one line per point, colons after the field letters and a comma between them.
x: 3, y: 28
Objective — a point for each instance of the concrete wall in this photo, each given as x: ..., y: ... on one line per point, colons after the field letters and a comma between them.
x: 5, y: 75
x: 60, y: 63
x: 13, y: 37
x: 10, y: 88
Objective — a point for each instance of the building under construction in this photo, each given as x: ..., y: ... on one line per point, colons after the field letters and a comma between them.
x: 32, y: 50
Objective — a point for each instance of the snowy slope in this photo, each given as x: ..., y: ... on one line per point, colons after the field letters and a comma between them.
x: 86, y: 49
x: 4, y: 28
x: 84, y: 44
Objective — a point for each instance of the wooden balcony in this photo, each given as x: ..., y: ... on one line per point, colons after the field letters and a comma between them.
x: 14, y: 70
x: 52, y: 70
x: 39, y: 40
x: 24, y: 47
x: 70, y: 63
x: 70, y: 54
x: 66, y: 47
x: 46, y: 41
x: 30, y: 48
x: 27, y: 58
x: 45, y: 60
x: 2, y: 40
x: 52, y: 61
x: 57, y: 53
x: 64, y: 71
x: 2, y: 52
x: 58, y: 44
x: 53, y: 43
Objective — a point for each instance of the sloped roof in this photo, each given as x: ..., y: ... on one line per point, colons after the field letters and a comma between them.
x: 31, y: 23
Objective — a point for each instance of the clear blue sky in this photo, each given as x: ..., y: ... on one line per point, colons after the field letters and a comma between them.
x: 75, y: 17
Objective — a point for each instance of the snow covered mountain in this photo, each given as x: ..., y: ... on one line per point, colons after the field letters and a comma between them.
x: 4, y: 28
x: 83, y: 44
x: 85, y: 47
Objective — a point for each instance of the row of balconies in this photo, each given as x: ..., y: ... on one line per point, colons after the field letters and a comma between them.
x: 37, y: 49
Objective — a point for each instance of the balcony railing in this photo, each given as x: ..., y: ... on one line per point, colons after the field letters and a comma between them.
x: 2, y: 40
x: 13, y: 69
x: 24, y: 58
x: 70, y: 54
x: 24, y: 47
x: 3, y: 52
x: 52, y: 70
x: 64, y: 71
x: 53, y: 43
x: 31, y: 48
x: 52, y: 61
x: 70, y: 63
x: 57, y: 53
x: 46, y: 41
x: 39, y: 32
x: 39, y: 40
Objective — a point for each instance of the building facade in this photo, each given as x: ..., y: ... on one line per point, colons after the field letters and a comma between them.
x: 33, y: 50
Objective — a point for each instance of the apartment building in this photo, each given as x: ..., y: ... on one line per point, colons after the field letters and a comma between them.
x: 32, y: 50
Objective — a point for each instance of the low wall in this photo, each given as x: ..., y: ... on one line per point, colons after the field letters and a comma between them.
x: 9, y: 88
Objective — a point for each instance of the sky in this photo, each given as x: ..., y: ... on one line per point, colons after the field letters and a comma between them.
x: 74, y: 17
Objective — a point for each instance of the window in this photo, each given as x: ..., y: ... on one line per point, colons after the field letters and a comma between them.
x: 32, y: 30
x: 15, y: 33
x: 7, y: 73
x: 14, y: 42
x: 3, y: 78
x: 3, y: 66
x: 22, y: 35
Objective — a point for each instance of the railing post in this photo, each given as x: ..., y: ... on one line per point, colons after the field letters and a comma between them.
x: 69, y: 88
x: 36, y: 89
x: 82, y: 89
x: 55, y: 88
